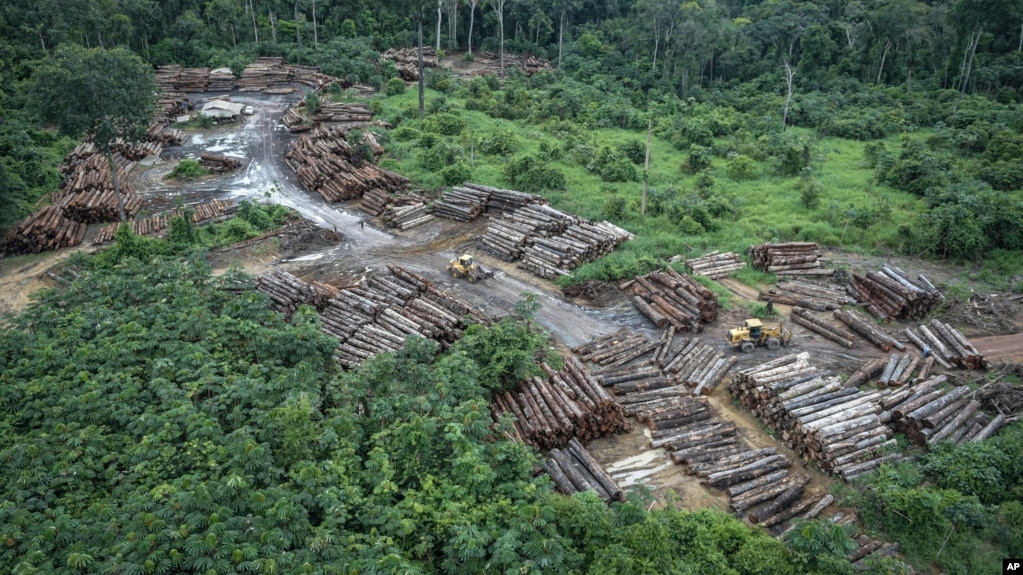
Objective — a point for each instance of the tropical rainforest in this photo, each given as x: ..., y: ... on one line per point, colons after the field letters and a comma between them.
x: 160, y: 419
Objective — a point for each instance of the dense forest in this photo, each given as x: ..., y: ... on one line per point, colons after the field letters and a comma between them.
x: 160, y: 419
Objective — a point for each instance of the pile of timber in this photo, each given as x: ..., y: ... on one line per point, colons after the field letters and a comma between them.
x: 502, y: 200
x: 616, y: 349
x: 323, y: 161
x: 892, y: 294
x: 948, y: 346
x: 45, y: 230
x: 158, y: 222
x: 549, y: 242
x: 263, y: 74
x: 192, y: 80
x: 217, y: 163
x: 896, y: 371
x: 566, y: 404
x: 808, y: 295
x: 581, y: 241
x: 286, y: 291
x: 376, y: 200
x: 406, y: 60
x: 171, y: 105
x: 462, y: 204
x: 221, y: 80
x: 928, y: 414
x: 378, y: 314
x: 829, y: 330
x: 489, y: 63
x: 87, y: 193
x: 166, y: 76
x: 574, y: 470
x: 297, y: 120
x: 756, y: 481
x: 407, y: 217
x: 837, y: 426
x: 715, y: 265
x: 862, y: 326
x: 792, y: 258
x: 312, y: 77
x: 165, y: 136
x: 670, y: 298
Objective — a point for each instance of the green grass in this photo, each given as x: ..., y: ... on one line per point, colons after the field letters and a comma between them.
x: 767, y: 209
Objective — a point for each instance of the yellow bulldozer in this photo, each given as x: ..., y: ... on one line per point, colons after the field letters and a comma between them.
x: 754, y: 333
x: 464, y: 267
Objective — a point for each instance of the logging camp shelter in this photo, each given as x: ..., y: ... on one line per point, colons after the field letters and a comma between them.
x: 222, y: 109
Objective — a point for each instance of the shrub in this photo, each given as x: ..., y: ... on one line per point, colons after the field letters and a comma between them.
x: 440, y: 156
x: 699, y: 159
x: 500, y: 143
x: 613, y: 166
x: 614, y: 208
x: 395, y: 86
x: 810, y: 192
x: 444, y: 124
x: 456, y: 174
x: 634, y: 150
x: 187, y: 169
x: 532, y: 174
x: 741, y: 168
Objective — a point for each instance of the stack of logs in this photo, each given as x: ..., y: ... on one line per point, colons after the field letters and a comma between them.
x: 678, y: 366
x: 47, y: 229
x: 296, y: 119
x: 376, y: 200
x: 808, y: 295
x: 407, y: 217
x: 221, y: 80
x: 574, y: 470
x: 377, y: 316
x: 502, y: 200
x: 87, y: 192
x: 406, y: 60
x: 948, y: 345
x: 892, y: 294
x: 489, y: 63
x: 462, y: 204
x: 929, y: 415
x: 670, y: 298
x: 830, y: 330
x: 159, y: 222
x: 837, y: 426
x: 792, y: 258
x: 549, y: 242
x: 286, y: 291
x: 897, y: 371
x: 715, y: 265
x: 263, y: 74
x: 324, y: 163
x: 192, y: 80
x: 564, y: 405
x: 862, y: 326
x: 164, y: 136
x: 217, y: 163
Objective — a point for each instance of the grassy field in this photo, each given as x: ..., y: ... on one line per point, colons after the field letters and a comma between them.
x: 853, y: 212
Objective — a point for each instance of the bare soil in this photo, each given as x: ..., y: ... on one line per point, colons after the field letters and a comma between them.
x: 340, y: 244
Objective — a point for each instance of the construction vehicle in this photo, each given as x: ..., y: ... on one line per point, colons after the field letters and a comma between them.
x: 464, y: 267
x: 754, y: 333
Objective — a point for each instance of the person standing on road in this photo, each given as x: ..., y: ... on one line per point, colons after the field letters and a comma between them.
x: 362, y: 224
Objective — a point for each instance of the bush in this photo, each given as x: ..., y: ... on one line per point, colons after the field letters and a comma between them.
x: 456, y: 174
x: 440, y: 156
x: 534, y: 175
x: 405, y: 134
x: 613, y: 166
x: 634, y: 150
x: 699, y: 159
x: 187, y: 169
x: 741, y: 168
x: 614, y: 208
x: 444, y: 124
x: 395, y: 86
x: 500, y: 143
x: 810, y: 192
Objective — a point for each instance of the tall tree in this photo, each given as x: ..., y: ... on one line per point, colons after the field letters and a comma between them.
x: 109, y: 94
x: 498, y: 6
x: 472, y: 18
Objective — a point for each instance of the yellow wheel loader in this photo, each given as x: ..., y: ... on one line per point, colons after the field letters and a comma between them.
x: 753, y: 333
